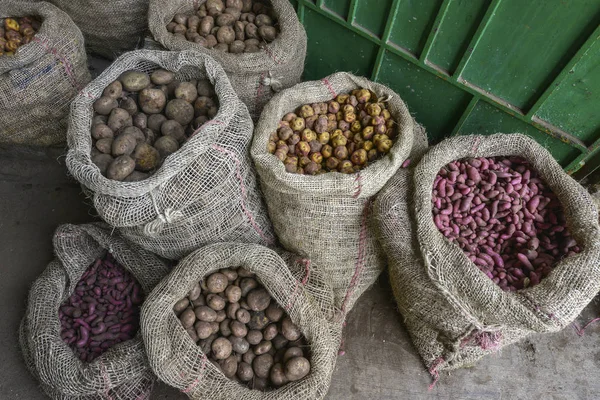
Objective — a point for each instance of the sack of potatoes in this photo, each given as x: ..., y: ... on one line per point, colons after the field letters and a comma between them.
x: 261, y: 44
x: 43, y: 66
x: 323, y: 149
x: 160, y: 143
x: 232, y: 321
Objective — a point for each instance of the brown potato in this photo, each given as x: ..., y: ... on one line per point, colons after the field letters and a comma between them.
x: 152, y: 101
x: 263, y: 347
x: 186, y: 91
x: 239, y: 29
x: 215, y: 302
x: 206, y: 344
x: 254, y: 337
x: 200, y: 301
x: 99, y: 119
x: 248, y: 357
x: 270, y: 332
x: 292, y: 352
x: 225, y: 34
x: 194, y: 292
x: 237, y: 4
x: 187, y: 318
x: 222, y: 47
x: 229, y: 366
x: 180, y: 18
x: 120, y: 168
x: 277, y: 375
x: 224, y: 327
x: 290, y: 331
x: 232, y: 309
x: 118, y: 119
x: 225, y: 20
x: 166, y: 145
x: 251, y: 31
x: 258, y: 320
x: 221, y: 348
x: 233, y: 294
x: 181, y: 305
x: 140, y: 120
x: 279, y: 342
x: 146, y: 157
x: 238, y: 329
x: 252, y: 42
x: 274, y: 312
x: 162, y: 77
x: 205, y: 313
x: 173, y: 129
x: 123, y: 144
x: 104, y: 105
x: 217, y: 282
x: 205, y: 88
x: 105, y: 145
x: 211, y: 41
x: 129, y: 104
x: 297, y: 368
x: 180, y: 111
x: 262, y: 365
x: 203, y: 329
x: 263, y: 19
x: 155, y: 122
x: 193, y: 335
x: 268, y: 33
x: 248, y: 284
x: 149, y: 135
x: 136, y: 176
x: 251, y: 49
x: 102, y: 161
x: 114, y: 90
x: 258, y: 299
x: 239, y: 345
x: 102, y: 131
x: 134, y: 81
x: 245, y: 372
x: 237, y: 47
x: 135, y: 131
x: 206, y: 25
x: 247, y: 6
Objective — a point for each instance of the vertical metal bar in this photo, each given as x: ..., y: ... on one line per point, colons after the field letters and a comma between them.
x: 476, y: 38
x: 465, y: 115
x: 435, y: 28
x: 583, y: 50
x: 385, y: 37
x: 300, y: 11
x: 352, y: 11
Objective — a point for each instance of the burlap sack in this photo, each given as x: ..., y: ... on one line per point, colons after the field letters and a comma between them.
x: 455, y: 314
x: 110, y: 27
x: 327, y: 217
x: 179, y: 362
x: 205, y: 192
x: 122, y: 372
x: 255, y: 77
x: 38, y: 83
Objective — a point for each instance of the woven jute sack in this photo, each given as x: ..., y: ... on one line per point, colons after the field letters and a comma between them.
x: 256, y: 77
x: 38, y: 83
x: 328, y: 217
x: 205, y: 192
x: 179, y: 362
x: 454, y: 313
x: 110, y: 27
x: 122, y: 372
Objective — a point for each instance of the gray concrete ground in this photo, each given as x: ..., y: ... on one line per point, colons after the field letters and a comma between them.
x: 380, y: 362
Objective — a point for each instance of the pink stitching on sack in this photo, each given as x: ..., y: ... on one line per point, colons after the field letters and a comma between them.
x: 360, y: 261
x: 358, y: 180
x: 260, y: 85
x: 329, y: 87
x: 106, y: 380
x: 581, y: 331
x: 211, y: 122
x: 197, y: 380
x: 66, y: 64
x: 243, y: 190
x: 87, y: 94
x: 272, y: 55
x: 292, y: 300
x: 433, y: 371
x: 475, y: 145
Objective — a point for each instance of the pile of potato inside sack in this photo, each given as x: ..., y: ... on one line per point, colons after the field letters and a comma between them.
x: 245, y: 212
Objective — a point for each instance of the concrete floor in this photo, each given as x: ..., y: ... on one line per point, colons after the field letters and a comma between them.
x: 380, y: 363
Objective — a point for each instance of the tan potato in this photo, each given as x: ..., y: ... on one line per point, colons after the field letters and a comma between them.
x: 258, y: 299
x: 268, y: 33
x: 238, y: 329
x: 146, y: 157
x: 118, y: 119
x: 221, y: 348
x: 237, y: 4
x: 251, y: 31
x: 274, y: 312
x: 262, y: 20
x: 205, y: 313
x: 234, y: 12
x: 211, y: 41
x: 229, y: 366
x: 292, y: 352
x: 225, y: 20
x: 239, y: 29
x: 166, y: 145
x: 181, y: 305
x: 289, y: 330
x: 99, y: 119
x: 225, y: 35
x: 277, y: 375
x: 186, y: 91
x: 140, y: 120
x: 262, y: 365
x: 152, y: 101
x: 134, y: 81
x: 105, y: 145
x: 245, y: 372
x: 128, y: 104
x: 102, y: 131
x: 180, y: 111
x: 243, y: 316
x: 215, y: 302
x: 155, y: 122
x: 270, y: 332
x: 217, y: 282
x: 233, y: 293
x: 123, y: 145
x: 263, y: 347
x: 135, y: 131
x: 237, y: 47
x: 194, y: 292
x: 203, y: 329
x: 162, y: 77
x: 187, y: 318
x: 102, y: 161
x: 114, y: 90
x: 104, y: 105
x: 297, y: 368
x: 247, y: 6
x: 206, y: 25
x: 173, y: 129
x: 136, y: 176
x: 120, y: 168
x: 251, y: 49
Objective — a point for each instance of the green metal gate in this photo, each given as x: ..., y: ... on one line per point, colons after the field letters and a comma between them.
x: 474, y: 66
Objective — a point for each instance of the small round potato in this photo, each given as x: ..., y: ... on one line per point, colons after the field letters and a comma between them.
x: 205, y: 88
x: 279, y: 342
x: 270, y: 332
x: 229, y: 366
x: 205, y: 313
x: 221, y: 348
x: 290, y: 331
x: 155, y: 121
x: 245, y: 372
x: 104, y: 105
x: 135, y: 131
x: 238, y: 329
x: 166, y: 145
x: 254, y: 337
x: 251, y: 31
x: 262, y: 365
x: 102, y: 131
x: 114, y: 90
x: 248, y: 284
x: 162, y: 77
x: 248, y: 357
x: 217, y: 282
x: 105, y: 145
x: 258, y: 299
x: 173, y: 129
x: 206, y: 25
x: 140, y: 120
x: 233, y: 293
x: 268, y: 33
x: 134, y: 81
x: 225, y: 34
x: 263, y: 347
x: 237, y: 47
x: 118, y: 119
x: 123, y: 144
x: 203, y: 329
x: 128, y: 104
x: 181, y: 305
x: 277, y: 375
x: 136, y: 176
x: 152, y: 101
x: 274, y: 312
x: 225, y: 19
x: 243, y: 316
x: 211, y: 41
x: 186, y: 91
x: 215, y: 302
x: 240, y: 345
x: 180, y: 111
x: 263, y: 19
x: 102, y: 161
x: 258, y: 320
x: 187, y: 318
x: 146, y: 157
x: 297, y: 368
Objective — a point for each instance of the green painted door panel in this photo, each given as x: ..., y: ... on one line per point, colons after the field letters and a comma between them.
x: 526, y: 44
x: 453, y: 35
x: 474, y: 66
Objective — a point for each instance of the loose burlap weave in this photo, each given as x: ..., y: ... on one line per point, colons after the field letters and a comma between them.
x: 122, y: 372
x: 179, y: 362
x: 256, y: 77
x: 454, y: 313
x: 205, y: 192
x: 39, y: 81
x: 110, y: 27
x: 327, y: 217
